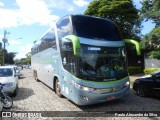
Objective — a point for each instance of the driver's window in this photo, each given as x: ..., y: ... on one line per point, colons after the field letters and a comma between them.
x: 68, y: 56
x: 67, y: 45
x: 69, y: 62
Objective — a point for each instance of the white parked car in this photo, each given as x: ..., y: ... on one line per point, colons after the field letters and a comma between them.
x: 8, y: 76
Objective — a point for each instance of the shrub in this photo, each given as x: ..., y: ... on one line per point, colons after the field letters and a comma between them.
x: 134, y: 70
x: 150, y: 70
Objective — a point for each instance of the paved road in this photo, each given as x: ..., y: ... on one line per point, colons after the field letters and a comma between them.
x: 36, y: 96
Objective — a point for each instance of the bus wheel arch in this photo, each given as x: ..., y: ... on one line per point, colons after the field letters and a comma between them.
x: 57, y: 87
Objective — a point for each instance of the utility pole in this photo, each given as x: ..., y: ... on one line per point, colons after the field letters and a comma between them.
x: 4, y: 43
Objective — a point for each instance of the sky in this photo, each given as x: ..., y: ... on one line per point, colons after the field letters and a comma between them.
x: 27, y: 20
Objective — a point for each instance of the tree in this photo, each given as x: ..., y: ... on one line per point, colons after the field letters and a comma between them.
x: 24, y: 61
x: 9, y: 58
x: 123, y: 13
x: 151, y: 43
x: 151, y: 10
x: 28, y: 58
x: 0, y: 45
x: 1, y: 54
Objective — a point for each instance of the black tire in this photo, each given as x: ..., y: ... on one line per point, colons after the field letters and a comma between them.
x: 7, y: 103
x: 58, y: 88
x: 142, y: 91
x: 35, y: 76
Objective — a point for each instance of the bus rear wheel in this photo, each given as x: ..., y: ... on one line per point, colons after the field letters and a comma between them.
x: 35, y: 75
x: 58, y: 88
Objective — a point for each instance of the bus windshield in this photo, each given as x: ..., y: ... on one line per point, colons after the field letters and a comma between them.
x: 102, y: 62
x: 95, y: 28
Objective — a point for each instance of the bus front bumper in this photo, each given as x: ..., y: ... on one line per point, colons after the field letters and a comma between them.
x: 86, y: 98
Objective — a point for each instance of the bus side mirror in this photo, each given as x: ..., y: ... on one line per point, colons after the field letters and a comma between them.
x: 72, y: 39
x: 137, y: 45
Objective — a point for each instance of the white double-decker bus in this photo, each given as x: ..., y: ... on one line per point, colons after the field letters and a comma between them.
x: 82, y: 58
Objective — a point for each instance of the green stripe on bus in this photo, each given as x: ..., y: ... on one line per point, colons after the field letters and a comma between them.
x: 49, y: 61
x: 107, y: 82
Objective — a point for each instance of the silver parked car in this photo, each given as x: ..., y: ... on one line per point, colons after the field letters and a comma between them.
x: 8, y: 76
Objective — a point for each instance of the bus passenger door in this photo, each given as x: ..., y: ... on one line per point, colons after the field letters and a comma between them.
x: 68, y: 62
x: 69, y: 66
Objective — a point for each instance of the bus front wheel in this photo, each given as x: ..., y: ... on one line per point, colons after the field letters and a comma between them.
x: 57, y: 88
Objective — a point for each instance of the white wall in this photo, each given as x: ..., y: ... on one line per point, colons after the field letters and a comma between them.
x: 152, y: 63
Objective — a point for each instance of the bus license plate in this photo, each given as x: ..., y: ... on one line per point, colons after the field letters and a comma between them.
x: 111, y: 97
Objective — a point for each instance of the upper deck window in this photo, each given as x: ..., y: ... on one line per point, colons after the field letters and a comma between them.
x: 95, y: 28
x: 64, y: 27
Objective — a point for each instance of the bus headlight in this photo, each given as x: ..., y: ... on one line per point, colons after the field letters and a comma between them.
x: 101, y: 90
x: 84, y: 88
x: 127, y: 83
x: 87, y: 89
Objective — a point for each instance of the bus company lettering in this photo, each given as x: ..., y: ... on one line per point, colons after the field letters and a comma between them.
x: 94, y: 48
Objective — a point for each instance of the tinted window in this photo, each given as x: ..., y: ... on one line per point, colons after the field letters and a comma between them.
x: 6, y: 72
x: 95, y: 28
x: 68, y: 61
x: 104, y: 62
x: 64, y: 28
x: 34, y: 49
x: 47, y: 41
